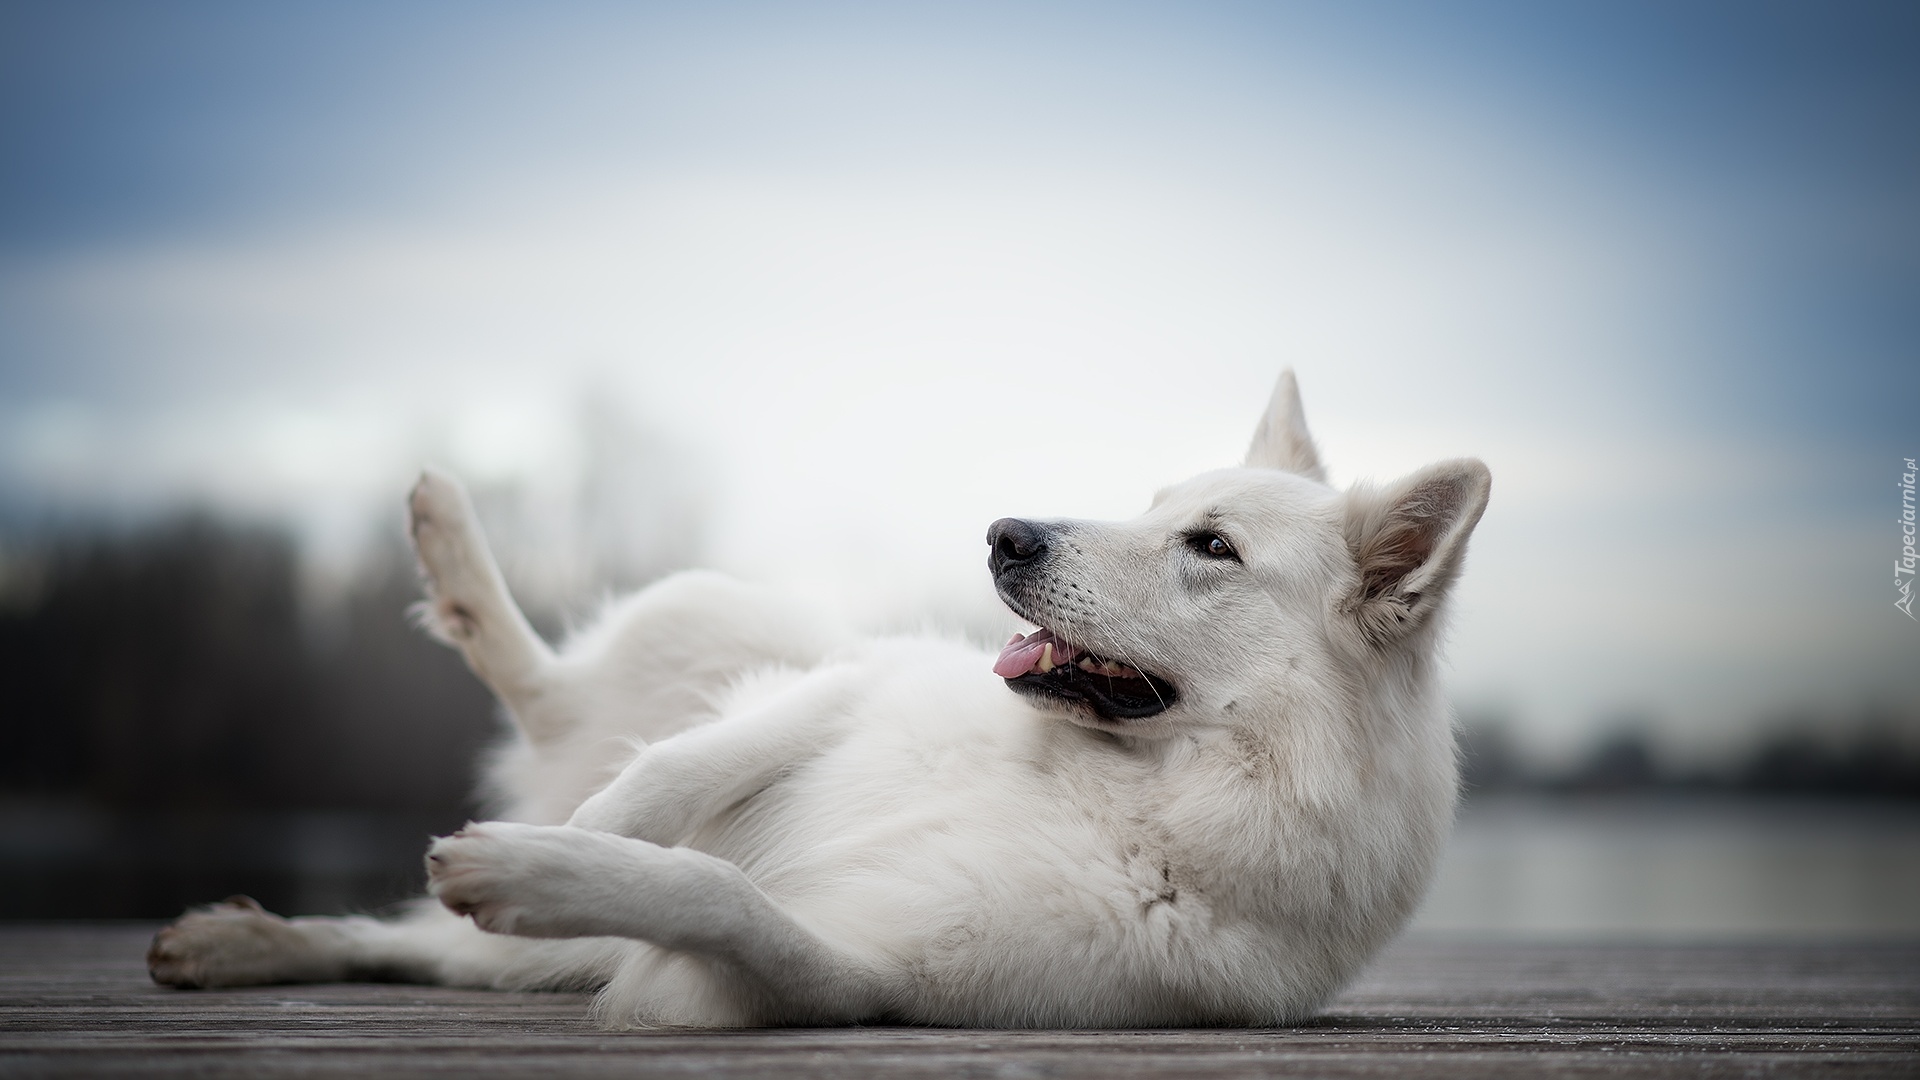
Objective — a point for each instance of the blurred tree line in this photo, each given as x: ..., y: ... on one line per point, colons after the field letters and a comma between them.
x: 179, y: 723
x: 1801, y: 754
x: 174, y: 668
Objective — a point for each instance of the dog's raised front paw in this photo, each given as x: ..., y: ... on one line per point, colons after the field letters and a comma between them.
x: 513, y: 878
x: 477, y: 872
x: 232, y: 943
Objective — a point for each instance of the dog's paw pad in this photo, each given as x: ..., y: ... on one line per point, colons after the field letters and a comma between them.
x: 448, y: 620
x: 232, y: 943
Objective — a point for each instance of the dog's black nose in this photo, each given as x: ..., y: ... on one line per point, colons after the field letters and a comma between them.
x: 1014, y: 542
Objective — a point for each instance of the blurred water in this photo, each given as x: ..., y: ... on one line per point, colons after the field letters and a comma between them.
x: 1672, y: 866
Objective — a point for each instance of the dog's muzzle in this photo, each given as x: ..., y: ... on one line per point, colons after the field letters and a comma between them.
x: 1047, y: 666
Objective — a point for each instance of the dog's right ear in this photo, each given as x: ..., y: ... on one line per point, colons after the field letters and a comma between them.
x: 1281, y: 441
x: 1409, y: 541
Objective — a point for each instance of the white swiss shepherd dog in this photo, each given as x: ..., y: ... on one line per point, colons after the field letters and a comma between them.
x: 1211, y: 784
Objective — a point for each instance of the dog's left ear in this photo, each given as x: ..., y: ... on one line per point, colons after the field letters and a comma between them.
x: 1409, y: 541
x: 1281, y: 441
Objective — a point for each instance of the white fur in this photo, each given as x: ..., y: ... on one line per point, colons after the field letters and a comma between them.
x: 821, y: 829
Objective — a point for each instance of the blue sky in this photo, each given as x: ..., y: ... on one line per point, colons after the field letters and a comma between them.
x: 1658, y: 263
x: 1783, y: 134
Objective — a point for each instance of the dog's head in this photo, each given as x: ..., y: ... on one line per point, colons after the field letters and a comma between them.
x: 1236, y: 590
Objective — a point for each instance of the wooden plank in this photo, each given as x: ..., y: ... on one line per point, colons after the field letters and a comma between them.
x: 75, y: 1001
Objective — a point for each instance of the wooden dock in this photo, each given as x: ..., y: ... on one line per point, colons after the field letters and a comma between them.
x: 75, y: 1001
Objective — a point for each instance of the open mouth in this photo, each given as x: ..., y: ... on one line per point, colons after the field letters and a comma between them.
x: 1043, y: 663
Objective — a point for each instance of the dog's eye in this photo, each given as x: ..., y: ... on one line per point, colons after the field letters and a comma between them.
x: 1211, y: 545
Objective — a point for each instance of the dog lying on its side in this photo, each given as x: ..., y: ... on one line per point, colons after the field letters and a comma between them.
x: 1205, y: 791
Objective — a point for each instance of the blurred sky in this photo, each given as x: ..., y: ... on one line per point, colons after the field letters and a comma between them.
x: 885, y: 272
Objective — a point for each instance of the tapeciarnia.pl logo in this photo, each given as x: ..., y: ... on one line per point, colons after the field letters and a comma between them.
x: 1903, y: 586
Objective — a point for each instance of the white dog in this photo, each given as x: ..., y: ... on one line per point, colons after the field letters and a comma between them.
x: 1205, y: 791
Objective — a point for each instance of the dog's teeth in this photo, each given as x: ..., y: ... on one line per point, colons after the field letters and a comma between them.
x: 1046, y: 663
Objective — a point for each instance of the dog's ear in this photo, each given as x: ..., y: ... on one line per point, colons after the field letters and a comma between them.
x: 1409, y: 540
x: 1281, y: 441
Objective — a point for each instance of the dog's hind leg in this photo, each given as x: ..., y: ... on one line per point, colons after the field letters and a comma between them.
x: 673, y: 786
x: 238, y: 943
x: 468, y: 606
x: 650, y: 666
x: 551, y: 881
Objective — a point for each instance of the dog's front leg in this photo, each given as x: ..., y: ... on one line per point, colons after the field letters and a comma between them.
x: 557, y: 881
x: 679, y: 783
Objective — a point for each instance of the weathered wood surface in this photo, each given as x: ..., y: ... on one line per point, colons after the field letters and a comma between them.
x: 75, y: 1001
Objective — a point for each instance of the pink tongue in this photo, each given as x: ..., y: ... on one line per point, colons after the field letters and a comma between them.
x: 1024, y: 651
